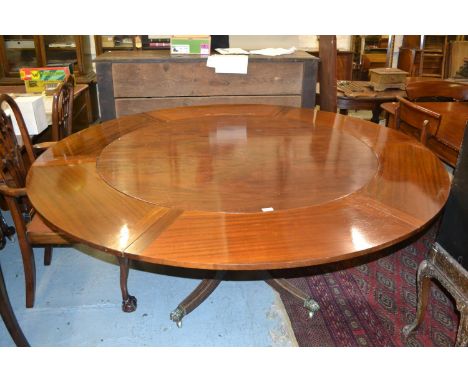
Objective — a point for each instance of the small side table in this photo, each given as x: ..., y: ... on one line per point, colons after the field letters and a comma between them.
x: 359, y: 95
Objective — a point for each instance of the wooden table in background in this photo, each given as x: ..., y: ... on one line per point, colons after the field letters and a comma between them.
x: 364, y: 98
x: 82, y: 106
x: 447, y: 142
x: 238, y: 187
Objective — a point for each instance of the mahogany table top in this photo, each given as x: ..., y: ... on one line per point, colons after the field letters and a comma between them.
x: 238, y: 187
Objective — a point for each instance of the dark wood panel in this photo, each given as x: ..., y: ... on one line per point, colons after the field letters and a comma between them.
x: 196, y: 79
x: 127, y: 106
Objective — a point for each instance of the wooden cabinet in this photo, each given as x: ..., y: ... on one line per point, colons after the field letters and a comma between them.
x: 458, y: 54
x: 344, y: 64
x: 17, y: 51
x: 49, y: 50
x: 138, y: 81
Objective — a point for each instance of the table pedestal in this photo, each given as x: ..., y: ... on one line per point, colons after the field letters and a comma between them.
x: 207, y: 286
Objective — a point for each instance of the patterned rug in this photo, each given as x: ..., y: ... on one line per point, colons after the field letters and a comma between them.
x: 367, y: 303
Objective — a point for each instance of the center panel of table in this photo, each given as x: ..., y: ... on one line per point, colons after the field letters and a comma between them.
x: 237, y: 164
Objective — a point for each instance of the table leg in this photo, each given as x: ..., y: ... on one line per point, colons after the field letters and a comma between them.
x: 129, y: 303
x: 376, y: 114
x: 283, y: 285
x: 344, y: 111
x: 194, y: 299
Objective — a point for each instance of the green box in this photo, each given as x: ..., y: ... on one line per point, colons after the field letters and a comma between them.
x: 190, y: 44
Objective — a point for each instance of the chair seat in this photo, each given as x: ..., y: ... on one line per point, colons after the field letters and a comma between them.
x: 39, y: 233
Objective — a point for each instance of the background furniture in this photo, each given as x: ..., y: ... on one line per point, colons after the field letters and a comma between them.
x: 18, y: 51
x: 458, y: 52
x: 49, y: 50
x: 416, y: 120
x: 436, y: 90
x: 448, y: 258
x: 436, y: 56
x: 370, y: 52
x: 137, y: 81
x: 344, y: 64
x: 359, y: 95
x: 62, y: 109
x: 82, y: 106
x: 446, y: 143
x: 130, y: 42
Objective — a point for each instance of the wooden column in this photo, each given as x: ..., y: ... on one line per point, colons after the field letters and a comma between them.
x: 327, y: 79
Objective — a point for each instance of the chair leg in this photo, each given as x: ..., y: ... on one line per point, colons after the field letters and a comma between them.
x: 129, y: 303
x: 194, y: 299
x: 27, y: 253
x: 9, y: 317
x: 283, y: 285
x: 29, y: 266
x: 462, y: 334
x: 423, y: 285
x: 47, y: 255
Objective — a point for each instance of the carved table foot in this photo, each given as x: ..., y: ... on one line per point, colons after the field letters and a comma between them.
x: 129, y: 305
x: 283, y: 285
x: 194, y: 299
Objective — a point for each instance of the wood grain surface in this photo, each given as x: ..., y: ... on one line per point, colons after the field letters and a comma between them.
x: 186, y: 187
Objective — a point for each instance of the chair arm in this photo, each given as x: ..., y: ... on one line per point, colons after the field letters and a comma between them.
x: 12, y: 192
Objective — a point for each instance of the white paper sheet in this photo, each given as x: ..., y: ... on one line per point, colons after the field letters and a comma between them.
x: 273, y: 51
x: 231, y: 51
x: 228, y: 63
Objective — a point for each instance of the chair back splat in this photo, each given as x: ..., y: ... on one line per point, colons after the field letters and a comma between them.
x: 62, y: 110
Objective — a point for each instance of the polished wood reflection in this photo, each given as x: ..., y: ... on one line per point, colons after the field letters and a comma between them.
x: 186, y: 187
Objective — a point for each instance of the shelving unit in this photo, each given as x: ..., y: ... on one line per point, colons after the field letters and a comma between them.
x: 109, y: 43
x: 50, y: 50
x: 427, y: 56
x: 370, y: 52
x: 17, y: 51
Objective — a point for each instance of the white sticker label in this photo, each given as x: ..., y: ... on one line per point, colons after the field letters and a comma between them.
x: 267, y: 209
x: 185, y: 49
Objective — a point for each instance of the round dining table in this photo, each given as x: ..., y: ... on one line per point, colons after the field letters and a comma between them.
x: 238, y: 187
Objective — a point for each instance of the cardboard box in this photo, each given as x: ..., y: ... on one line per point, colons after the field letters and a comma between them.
x: 38, y: 80
x: 107, y: 41
x: 200, y: 44
x: 34, y: 115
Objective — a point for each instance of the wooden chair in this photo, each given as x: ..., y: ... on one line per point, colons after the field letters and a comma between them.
x: 436, y: 90
x: 31, y: 230
x: 62, y: 109
x: 448, y: 258
x: 416, y: 120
